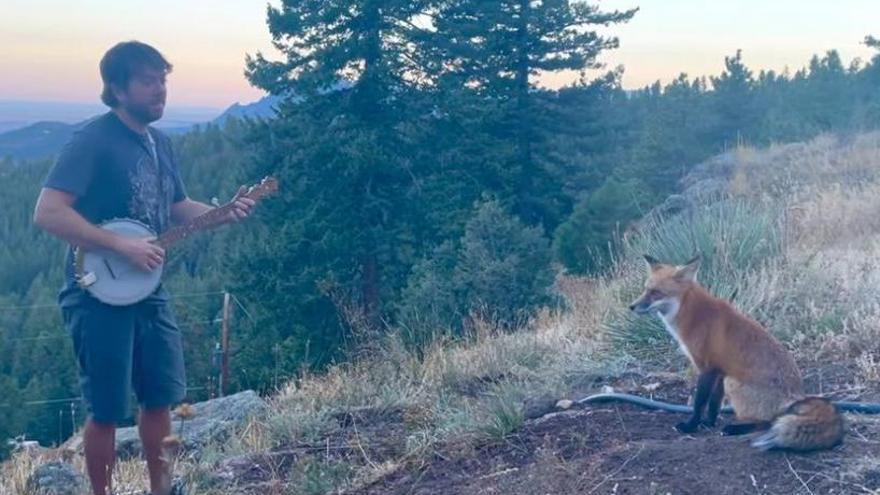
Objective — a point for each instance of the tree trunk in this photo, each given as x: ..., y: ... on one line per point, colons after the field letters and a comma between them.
x: 526, y: 209
x: 368, y: 106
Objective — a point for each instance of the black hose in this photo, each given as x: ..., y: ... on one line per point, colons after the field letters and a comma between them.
x: 859, y: 407
x: 643, y: 402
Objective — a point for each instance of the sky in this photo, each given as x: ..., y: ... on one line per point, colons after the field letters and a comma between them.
x: 51, y: 48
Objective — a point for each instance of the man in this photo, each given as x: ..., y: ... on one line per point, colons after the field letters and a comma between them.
x: 119, y: 166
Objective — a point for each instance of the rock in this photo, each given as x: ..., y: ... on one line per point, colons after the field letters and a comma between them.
x: 213, y: 421
x: 56, y: 478
x: 564, y: 404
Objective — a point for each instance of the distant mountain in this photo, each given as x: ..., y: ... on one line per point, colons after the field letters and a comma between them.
x: 265, y: 107
x: 11, y: 125
x: 44, y: 139
x: 19, y: 114
x: 37, y: 140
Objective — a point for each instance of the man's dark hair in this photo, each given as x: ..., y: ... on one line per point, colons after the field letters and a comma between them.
x: 125, y: 60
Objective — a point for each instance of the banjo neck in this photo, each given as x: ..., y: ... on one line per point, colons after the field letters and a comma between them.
x: 204, y: 221
x: 215, y: 217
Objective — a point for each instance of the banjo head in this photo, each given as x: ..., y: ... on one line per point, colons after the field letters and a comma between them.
x: 116, y: 281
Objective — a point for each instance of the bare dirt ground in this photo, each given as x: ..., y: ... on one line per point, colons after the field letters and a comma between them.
x: 621, y: 449
x: 601, y: 449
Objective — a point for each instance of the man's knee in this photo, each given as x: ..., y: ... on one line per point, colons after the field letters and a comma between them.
x: 155, y: 412
x: 102, y: 425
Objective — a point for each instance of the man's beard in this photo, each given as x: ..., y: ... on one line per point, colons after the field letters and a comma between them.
x: 144, y: 113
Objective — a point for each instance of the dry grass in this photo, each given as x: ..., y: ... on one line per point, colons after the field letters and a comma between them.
x: 128, y: 476
x: 819, y: 290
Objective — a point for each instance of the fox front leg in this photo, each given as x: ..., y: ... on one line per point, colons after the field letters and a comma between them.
x: 715, y: 402
x: 706, y: 383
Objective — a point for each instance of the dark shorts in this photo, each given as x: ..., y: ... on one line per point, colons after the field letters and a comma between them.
x: 125, y: 348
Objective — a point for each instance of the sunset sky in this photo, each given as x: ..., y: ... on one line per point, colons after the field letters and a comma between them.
x: 51, y: 49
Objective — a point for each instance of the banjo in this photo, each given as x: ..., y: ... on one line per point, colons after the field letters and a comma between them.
x: 113, y: 280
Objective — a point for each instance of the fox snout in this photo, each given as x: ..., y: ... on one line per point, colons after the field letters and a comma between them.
x: 640, y: 305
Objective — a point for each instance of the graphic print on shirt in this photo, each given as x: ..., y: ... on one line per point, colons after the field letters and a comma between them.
x: 147, y: 203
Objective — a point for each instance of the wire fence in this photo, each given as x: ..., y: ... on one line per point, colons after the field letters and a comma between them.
x: 70, y: 410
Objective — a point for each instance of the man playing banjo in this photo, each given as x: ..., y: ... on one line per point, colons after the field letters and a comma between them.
x: 118, y: 166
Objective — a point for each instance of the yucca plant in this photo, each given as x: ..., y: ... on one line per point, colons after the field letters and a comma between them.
x: 736, y: 237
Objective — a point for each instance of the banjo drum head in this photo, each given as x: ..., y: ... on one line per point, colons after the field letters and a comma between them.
x: 119, y: 283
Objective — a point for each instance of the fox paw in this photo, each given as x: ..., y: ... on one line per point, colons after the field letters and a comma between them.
x: 737, y: 429
x: 687, y: 427
x: 690, y: 427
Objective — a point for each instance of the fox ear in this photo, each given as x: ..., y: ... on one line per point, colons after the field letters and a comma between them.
x: 653, y: 264
x: 689, y: 270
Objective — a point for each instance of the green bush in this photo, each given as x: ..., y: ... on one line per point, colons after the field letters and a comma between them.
x: 501, y: 271
x: 584, y: 243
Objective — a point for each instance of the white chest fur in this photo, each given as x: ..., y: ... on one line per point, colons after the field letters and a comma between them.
x: 668, y: 319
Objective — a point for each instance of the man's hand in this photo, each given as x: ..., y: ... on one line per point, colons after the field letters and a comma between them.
x: 141, y: 252
x: 241, y: 206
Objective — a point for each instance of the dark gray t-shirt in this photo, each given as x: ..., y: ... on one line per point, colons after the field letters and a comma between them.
x: 115, y: 172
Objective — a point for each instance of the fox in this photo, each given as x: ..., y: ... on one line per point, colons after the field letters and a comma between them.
x: 736, y: 357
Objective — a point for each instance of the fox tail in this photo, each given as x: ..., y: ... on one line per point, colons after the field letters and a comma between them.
x: 812, y: 423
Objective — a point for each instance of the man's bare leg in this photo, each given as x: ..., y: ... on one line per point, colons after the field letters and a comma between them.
x: 99, y: 443
x: 153, y: 426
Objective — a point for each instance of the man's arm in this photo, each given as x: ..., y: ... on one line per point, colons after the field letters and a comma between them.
x: 54, y: 213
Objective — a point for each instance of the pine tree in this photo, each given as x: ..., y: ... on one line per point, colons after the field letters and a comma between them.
x: 346, y: 154
x: 499, y: 270
x: 827, y: 94
x: 733, y: 98
x: 499, y: 48
x: 587, y: 240
x: 868, y: 116
x: 503, y: 269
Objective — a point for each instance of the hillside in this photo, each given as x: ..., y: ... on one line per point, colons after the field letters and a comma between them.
x: 791, y: 230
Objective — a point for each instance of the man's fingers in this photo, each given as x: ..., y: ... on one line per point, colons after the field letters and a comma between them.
x: 240, y: 210
x: 151, y: 262
x: 241, y: 205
